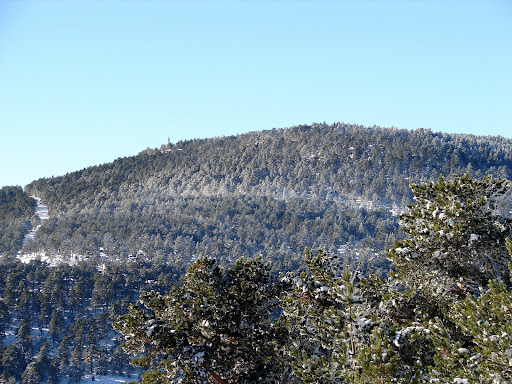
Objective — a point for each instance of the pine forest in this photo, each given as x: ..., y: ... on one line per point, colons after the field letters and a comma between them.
x: 311, y: 254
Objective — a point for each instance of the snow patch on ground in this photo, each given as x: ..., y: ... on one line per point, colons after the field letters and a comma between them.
x: 42, y: 213
x: 71, y: 259
x: 107, y: 379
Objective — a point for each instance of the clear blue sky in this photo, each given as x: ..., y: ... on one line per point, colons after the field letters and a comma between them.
x: 83, y: 82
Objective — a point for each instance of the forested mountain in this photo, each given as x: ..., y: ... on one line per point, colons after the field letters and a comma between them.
x: 272, y: 193
x: 136, y: 224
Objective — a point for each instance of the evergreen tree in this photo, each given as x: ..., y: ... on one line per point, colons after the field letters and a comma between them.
x: 31, y: 374
x: 56, y: 324
x: 43, y: 362
x: 63, y: 355
x: 333, y: 338
x: 4, y: 318
x: 485, y: 354
x: 24, y: 337
x: 76, y: 365
x: 15, y: 360
x: 457, y: 241
x: 218, y: 326
x: 91, y: 356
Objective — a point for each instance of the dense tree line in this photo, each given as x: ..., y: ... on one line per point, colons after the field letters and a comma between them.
x: 442, y: 317
x: 270, y: 193
x: 224, y: 227
x: 16, y: 218
x: 55, y: 322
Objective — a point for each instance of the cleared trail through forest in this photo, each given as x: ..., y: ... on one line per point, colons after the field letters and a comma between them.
x: 42, y: 213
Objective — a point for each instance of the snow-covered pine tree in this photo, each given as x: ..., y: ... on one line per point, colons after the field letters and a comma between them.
x: 485, y: 354
x: 457, y: 243
x: 315, y: 321
x: 218, y: 327
x: 331, y: 337
x: 457, y: 238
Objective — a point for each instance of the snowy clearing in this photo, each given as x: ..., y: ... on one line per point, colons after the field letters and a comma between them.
x: 107, y: 379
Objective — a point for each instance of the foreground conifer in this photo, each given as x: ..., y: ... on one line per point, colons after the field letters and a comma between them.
x: 485, y: 355
x: 334, y: 337
x: 457, y: 237
x: 218, y: 327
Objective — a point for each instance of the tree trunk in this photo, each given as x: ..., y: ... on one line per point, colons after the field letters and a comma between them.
x: 217, y: 378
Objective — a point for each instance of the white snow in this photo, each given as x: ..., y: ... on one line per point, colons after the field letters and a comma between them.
x: 107, y: 379
x: 363, y: 322
x: 199, y: 357
x: 406, y: 331
x: 42, y: 213
x: 475, y: 357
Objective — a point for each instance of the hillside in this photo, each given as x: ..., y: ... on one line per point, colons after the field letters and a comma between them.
x: 272, y: 192
x: 16, y: 214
